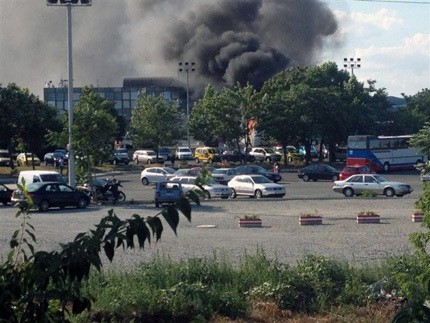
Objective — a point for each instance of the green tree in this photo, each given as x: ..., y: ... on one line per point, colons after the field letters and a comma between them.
x: 204, y: 125
x: 419, y: 104
x: 25, y: 120
x: 155, y: 122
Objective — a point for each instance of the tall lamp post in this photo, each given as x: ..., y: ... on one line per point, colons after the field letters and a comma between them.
x: 69, y: 4
x: 187, y: 67
x: 352, y: 63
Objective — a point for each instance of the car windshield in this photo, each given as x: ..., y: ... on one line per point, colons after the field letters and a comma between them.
x: 52, y: 178
x: 381, y: 178
x: 260, y: 179
x: 34, y: 186
x: 169, y: 170
x: 184, y: 150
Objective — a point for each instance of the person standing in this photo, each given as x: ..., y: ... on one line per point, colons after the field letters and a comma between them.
x: 276, y: 168
x: 61, y: 164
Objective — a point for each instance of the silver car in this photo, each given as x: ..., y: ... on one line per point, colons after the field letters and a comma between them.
x: 257, y: 186
x: 374, y: 183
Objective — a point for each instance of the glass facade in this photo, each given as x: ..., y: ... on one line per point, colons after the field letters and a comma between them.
x: 123, y: 97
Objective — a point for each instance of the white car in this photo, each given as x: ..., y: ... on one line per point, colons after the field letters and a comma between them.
x: 184, y: 153
x: 147, y: 157
x: 257, y: 186
x: 224, y: 175
x: 211, y: 190
x: 155, y: 174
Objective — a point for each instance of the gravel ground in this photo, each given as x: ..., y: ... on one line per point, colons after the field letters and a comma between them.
x: 281, y: 236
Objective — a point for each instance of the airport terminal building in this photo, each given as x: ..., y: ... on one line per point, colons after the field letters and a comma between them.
x: 124, y: 97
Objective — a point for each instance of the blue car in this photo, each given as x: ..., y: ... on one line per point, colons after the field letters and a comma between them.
x: 167, y: 193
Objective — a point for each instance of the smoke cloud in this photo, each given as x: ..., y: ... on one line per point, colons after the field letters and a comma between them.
x: 229, y: 40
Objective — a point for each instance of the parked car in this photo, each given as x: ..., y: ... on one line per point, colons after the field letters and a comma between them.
x: 5, y: 194
x: 120, y: 156
x: 206, y: 154
x: 317, y: 172
x: 210, y: 190
x: 375, y: 183
x: 165, y: 153
x: 147, y: 157
x: 167, y: 193
x: 264, y: 154
x: 51, y: 158
x: 52, y: 194
x: 425, y: 177
x: 292, y: 153
x: 224, y: 175
x: 22, y: 158
x: 156, y: 174
x: 4, y: 158
x: 34, y: 176
x: 313, y: 151
x: 352, y: 170
x: 257, y: 186
x: 258, y: 170
x: 230, y: 156
x: 184, y: 153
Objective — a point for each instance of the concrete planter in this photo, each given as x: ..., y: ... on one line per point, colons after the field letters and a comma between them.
x: 368, y: 218
x: 249, y: 223
x: 310, y: 220
x: 417, y: 217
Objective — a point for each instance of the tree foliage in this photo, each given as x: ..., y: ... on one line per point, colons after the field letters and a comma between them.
x: 24, y: 120
x: 155, y: 122
x: 45, y: 286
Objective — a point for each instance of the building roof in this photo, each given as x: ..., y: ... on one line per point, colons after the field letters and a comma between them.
x: 142, y: 82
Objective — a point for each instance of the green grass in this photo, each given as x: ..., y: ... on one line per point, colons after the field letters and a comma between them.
x: 213, y: 287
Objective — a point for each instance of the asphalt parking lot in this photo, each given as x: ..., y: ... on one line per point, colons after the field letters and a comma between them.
x: 281, y: 236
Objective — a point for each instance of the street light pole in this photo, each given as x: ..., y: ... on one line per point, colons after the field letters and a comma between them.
x: 71, y: 149
x: 352, y: 63
x: 187, y: 67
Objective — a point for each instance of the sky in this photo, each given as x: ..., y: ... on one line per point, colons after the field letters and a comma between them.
x: 116, y: 39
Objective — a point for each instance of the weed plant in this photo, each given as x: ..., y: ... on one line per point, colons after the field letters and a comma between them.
x: 213, y: 286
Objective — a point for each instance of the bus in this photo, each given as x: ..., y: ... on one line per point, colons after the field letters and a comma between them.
x: 383, y: 153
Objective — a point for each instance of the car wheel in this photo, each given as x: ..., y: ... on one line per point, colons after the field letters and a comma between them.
x: 386, y: 167
x: 348, y: 192
x: 334, y: 178
x: 44, y: 206
x: 148, y: 161
x: 82, y: 203
x: 306, y: 178
x: 258, y: 194
x: 389, y: 192
x: 145, y: 181
x: 233, y: 194
x: 121, y: 197
x: 207, y: 195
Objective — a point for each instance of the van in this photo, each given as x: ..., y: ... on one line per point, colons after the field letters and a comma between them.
x: 206, y: 154
x: 34, y: 176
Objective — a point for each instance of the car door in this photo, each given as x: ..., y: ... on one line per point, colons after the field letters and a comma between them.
x: 325, y: 172
x: 371, y: 184
x: 67, y: 195
x: 357, y: 184
x: 53, y: 195
x: 248, y: 186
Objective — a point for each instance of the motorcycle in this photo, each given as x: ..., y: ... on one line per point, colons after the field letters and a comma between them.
x: 105, y: 190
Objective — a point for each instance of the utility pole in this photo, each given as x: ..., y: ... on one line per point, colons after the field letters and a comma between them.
x: 68, y: 4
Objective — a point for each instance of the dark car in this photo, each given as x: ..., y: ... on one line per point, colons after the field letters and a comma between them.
x: 120, y: 156
x: 51, y: 158
x: 352, y: 170
x: 318, y: 171
x: 236, y: 156
x: 258, y: 170
x: 167, y: 193
x: 5, y: 194
x: 52, y: 194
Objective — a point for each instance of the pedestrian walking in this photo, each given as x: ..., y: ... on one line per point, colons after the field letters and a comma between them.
x: 275, y: 168
x: 61, y: 164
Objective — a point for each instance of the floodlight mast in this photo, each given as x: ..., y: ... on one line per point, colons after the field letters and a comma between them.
x: 68, y: 4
